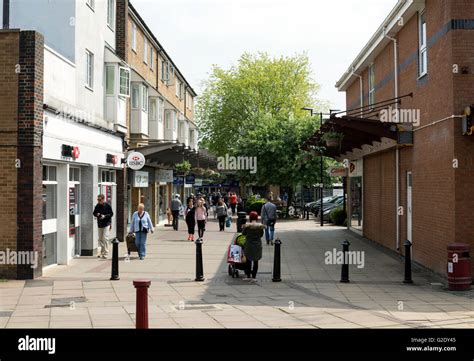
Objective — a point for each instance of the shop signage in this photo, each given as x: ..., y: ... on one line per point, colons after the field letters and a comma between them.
x: 165, y: 175
x: 198, y: 182
x: 72, y: 211
x: 190, y: 179
x: 338, y: 172
x: 140, y: 179
x: 69, y: 151
x: 355, y: 168
x: 178, y: 181
x: 136, y: 160
x: 110, y: 158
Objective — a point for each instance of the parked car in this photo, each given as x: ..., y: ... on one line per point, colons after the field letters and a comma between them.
x: 329, y: 202
x: 333, y: 205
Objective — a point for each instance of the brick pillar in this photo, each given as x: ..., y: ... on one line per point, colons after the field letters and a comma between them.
x: 121, y: 28
x: 30, y: 148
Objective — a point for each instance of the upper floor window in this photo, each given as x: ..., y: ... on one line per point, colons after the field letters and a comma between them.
x: 124, y: 82
x: 189, y: 101
x: 135, y: 96
x: 91, y: 3
x: 161, y: 105
x: 144, y: 98
x: 423, y: 49
x: 145, y: 50
x: 111, y: 14
x: 179, y: 88
x: 89, y: 69
x: 152, y: 59
x: 134, y: 37
x: 110, y: 80
x: 371, y: 84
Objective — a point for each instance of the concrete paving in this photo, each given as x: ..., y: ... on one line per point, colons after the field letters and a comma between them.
x: 81, y: 295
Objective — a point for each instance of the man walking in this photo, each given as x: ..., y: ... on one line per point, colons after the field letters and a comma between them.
x: 175, y: 208
x: 103, y: 212
x: 269, y: 216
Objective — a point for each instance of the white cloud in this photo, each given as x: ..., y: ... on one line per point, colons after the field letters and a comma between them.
x: 199, y: 33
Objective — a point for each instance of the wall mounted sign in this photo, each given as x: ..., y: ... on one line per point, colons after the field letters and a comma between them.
x: 337, y: 172
x: 69, y: 151
x: 190, y: 179
x: 110, y: 158
x: 72, y: 211
x: 136, y: 160
x: 164, y: 175
x: 140, y: 179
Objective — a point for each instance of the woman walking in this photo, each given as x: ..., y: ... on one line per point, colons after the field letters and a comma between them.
x: 221, y: 214
x: 253, y: 232
x: 190, y: 219
x: 141, y: 225
x: 201, y: 217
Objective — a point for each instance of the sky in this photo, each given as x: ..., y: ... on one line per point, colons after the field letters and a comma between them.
x: 200, y: 33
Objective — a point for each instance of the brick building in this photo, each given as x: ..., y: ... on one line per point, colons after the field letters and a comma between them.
x: 411, y: 167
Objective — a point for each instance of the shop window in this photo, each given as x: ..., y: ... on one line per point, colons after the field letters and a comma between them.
x: 74, y: 174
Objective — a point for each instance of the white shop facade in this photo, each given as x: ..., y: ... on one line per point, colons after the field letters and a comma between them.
x: 79, y: 163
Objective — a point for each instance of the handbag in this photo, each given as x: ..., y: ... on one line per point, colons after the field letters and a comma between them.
x: 131, y: 237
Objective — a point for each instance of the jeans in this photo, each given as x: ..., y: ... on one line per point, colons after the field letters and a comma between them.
x: 269, y: 233
x: 222, y: 222
x: 140, y: 242
x: 251, y: 270
x: 175, y: 220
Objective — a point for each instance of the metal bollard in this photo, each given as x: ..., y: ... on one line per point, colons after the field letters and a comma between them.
x: 345, y: 265
x: 115, y: 260
x: 199, y: 267
x: 277, y: 262
x: 407, y: 245
x: 142, y: 303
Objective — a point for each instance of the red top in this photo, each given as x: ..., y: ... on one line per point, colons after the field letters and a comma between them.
x: 233, y: 199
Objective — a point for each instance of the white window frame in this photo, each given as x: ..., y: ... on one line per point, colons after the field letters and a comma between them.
x: 371, y: 87
x: 144, y: 100
x: 160, y: 110
x: 89, y: 83
x: 153, y: 109
x: 111, y: 14
x: 107, y: 79
x: 422, y: 45
x: 137, y: 98
x: 127, y: 71
x: 145, y: 50
x: 134, y: 37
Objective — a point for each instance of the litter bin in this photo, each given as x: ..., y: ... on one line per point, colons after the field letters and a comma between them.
x: 241, y: 220
x: 459, y: 267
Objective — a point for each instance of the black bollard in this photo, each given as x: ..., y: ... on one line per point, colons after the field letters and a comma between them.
x: 115, y: 260
x: 345, y: 265
x: 277, y: 262
x: 407, y: 279
x: 199, y: 267
x: 307, y: 213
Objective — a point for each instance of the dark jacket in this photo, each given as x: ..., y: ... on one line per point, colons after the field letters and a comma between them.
x: 253, y: 243
x: 190, y: 215
x: 106, y: 210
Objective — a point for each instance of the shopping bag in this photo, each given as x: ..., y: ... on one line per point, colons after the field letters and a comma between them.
x: 234, y: 254
x: 228, y: 222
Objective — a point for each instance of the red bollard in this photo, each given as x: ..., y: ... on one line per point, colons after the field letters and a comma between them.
x: 142, y: 303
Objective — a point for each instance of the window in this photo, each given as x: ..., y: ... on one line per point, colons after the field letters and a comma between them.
x: 49, y: 173
x: 144, y: 98
x: 89, y: 69
x: 145, y: 50
x: 160, y: 110
x: 110, y: 80
x: 107, y: 176
x: 91, y: 3
x: 189, y: 101
x: 124, y: 82
x: 191, y: 136
x: 164, y: 71
x: 423, y: 50
x: 168, y: 120
x: 152, y: 59
x: 49, y: 192
x: 74, y: 174
x: 152, y: 108
x: 134, y: 37
x: 111, y: 14
x: 135, y: 96
x: 179, y: 89
x: 371, y: 85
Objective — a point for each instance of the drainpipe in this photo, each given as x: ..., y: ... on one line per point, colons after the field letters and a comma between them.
x: 361, y: 84
x: 397, y: 151
x: 6, y: 14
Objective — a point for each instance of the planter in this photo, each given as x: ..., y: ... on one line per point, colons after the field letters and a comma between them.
x: 333, y: 143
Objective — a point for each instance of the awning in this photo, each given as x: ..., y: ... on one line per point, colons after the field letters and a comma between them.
x: 167, y: 154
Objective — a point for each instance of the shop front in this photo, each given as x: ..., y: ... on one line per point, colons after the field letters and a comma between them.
x: 79, y: 163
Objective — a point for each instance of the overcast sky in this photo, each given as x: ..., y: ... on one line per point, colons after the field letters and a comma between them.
x: 199, y: 33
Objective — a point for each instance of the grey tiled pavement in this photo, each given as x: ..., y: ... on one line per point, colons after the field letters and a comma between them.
x: 310, y: 295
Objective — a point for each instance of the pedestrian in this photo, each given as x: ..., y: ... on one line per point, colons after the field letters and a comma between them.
x: 269, y: 216
x: 201, y: 217
x: 175, y: 208
x: 233, y: 202
x: 226, y: 199
x: 141, y: 225
x: 190, y: 217
x: 103, y: 212
x: 190, y: 197
x: 253, y: 232
x: 221, y: 214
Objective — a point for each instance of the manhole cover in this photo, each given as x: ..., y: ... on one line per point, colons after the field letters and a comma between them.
x: 38, y: 283
x: 65, y: 302
x: 5, y: 313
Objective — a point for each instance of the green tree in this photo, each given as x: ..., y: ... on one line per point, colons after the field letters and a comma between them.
x: 257, y: 86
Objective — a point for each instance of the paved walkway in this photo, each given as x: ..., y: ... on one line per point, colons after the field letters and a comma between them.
x: 310, y: 295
